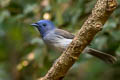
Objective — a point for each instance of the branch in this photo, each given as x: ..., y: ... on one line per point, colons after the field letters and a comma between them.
x: 92, y: 25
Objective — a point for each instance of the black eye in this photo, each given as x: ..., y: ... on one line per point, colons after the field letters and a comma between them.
x: 44, y: 24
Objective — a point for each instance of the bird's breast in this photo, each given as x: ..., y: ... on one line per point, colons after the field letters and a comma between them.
x: 57, y: 42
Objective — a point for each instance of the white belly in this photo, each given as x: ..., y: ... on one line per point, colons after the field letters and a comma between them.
x: 62, y: 43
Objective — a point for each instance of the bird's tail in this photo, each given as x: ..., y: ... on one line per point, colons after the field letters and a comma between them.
x: 101, y: 55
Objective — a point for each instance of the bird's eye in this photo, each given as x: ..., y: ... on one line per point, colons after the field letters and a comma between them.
x: 44, y: 24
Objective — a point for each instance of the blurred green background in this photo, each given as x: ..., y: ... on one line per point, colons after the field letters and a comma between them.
x: 23, y: 54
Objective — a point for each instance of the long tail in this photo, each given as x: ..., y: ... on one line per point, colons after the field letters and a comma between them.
x: 101, y: 55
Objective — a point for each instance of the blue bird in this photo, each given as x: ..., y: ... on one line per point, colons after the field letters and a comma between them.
x: 59, y: 40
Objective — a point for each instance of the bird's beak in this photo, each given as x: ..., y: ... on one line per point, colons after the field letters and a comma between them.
x: 34, y: 24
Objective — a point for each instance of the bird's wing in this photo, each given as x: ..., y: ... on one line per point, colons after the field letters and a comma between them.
x: 64, y: 33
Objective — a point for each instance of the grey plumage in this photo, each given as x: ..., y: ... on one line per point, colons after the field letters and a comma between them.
x: 60, y: 39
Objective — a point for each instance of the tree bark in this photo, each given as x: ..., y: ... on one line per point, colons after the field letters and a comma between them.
x: 94, y: 24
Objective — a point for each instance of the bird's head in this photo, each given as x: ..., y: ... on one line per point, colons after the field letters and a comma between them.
x: 44, y: 26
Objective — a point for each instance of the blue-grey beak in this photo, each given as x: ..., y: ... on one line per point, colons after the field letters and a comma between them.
x: 35, y: 24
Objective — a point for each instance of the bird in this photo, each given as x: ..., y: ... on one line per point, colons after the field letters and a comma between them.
x: 59, y: 40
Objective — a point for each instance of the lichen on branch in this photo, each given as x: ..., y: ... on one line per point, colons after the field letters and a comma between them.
x: 94, y: 24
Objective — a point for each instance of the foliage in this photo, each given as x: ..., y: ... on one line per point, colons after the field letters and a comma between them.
x: 23, y: 54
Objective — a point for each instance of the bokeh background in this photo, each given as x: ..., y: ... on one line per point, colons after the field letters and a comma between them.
x: 23, y: 54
